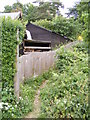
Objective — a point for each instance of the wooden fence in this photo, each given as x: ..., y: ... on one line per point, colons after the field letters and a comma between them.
x: 34, y: 64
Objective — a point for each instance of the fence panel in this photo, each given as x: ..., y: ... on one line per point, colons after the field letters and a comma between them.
x: 34, y: 64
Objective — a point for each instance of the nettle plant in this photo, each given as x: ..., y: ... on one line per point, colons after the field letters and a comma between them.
x: 9, y: 45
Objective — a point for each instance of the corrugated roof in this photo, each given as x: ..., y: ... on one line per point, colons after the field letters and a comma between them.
x: 13, y: 15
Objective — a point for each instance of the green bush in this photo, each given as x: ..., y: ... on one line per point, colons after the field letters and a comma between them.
x: 9, y: 51
x: 45, y: 24
x: 66, y: 93
x: 28, y: 91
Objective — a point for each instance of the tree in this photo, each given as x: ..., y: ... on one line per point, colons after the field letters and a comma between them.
x: 48, y: 10
x: 78, y: 10
x: 15, y: 7
x: 7, y: 9
x: 45, y: 10
x: 30, y: 12
x: 82, y: 11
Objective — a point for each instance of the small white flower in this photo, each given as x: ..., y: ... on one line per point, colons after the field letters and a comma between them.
x: 5, y: 103
x: 9, y: 106
x: 17, y: 102
x: 65, y: 101
x: 57, y: 102
x: 20, y: 98
x: 12, y: 108
x: 6, y: 108
x: 16, y: 106
x: 1, y: 103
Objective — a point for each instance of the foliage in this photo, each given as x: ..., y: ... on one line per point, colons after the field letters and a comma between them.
x: 81, y: 12
x: 84, y: 17
x: 66, y: 93
x: 0, y: 69
x: 28, y: 91
x: 78, y: 9
x: 18, y: 109
x: 86, y: 32
x: 14, y: 8
x: 65, y: 27
x: 30, y: 12
x: 17, y: 6
x: 48, y: 10
x: 0, y: 50
x: 7, y: 9
x: 9, y: 43
x: 44, y: 23
x: 45, y: 10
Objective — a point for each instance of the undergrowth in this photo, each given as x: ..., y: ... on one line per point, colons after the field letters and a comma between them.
x: 66, y: 93
x: 28, y: 91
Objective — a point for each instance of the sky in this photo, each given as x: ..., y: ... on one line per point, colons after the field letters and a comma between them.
x: 67, y: 4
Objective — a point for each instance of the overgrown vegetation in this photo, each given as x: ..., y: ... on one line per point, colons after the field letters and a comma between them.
x: 66, y: 93
x: 65, y: 27
x: 28, y: 92
x: 0, y: 69
x: 18, y: 109
x: 9, y: 43
x: 81, y: 12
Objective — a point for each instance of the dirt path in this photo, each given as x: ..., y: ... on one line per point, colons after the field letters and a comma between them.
x: 36, y: 112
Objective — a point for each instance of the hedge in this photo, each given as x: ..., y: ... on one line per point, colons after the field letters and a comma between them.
x: 9, y: 45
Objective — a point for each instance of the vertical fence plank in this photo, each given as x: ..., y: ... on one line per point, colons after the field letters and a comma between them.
x: 16, y: 82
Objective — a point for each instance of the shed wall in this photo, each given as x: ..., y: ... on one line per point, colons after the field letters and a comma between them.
x: 39, y: 33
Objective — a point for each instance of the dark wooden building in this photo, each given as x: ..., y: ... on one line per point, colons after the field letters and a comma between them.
x: 33, y: 46
x: 40, y: 39
x: 41, y: 34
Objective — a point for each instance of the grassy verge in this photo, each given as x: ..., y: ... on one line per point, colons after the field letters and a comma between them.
x: 28, y: 91
x: 66, y: 93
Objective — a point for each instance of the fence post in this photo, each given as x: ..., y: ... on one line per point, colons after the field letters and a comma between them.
x: 16, y: 80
